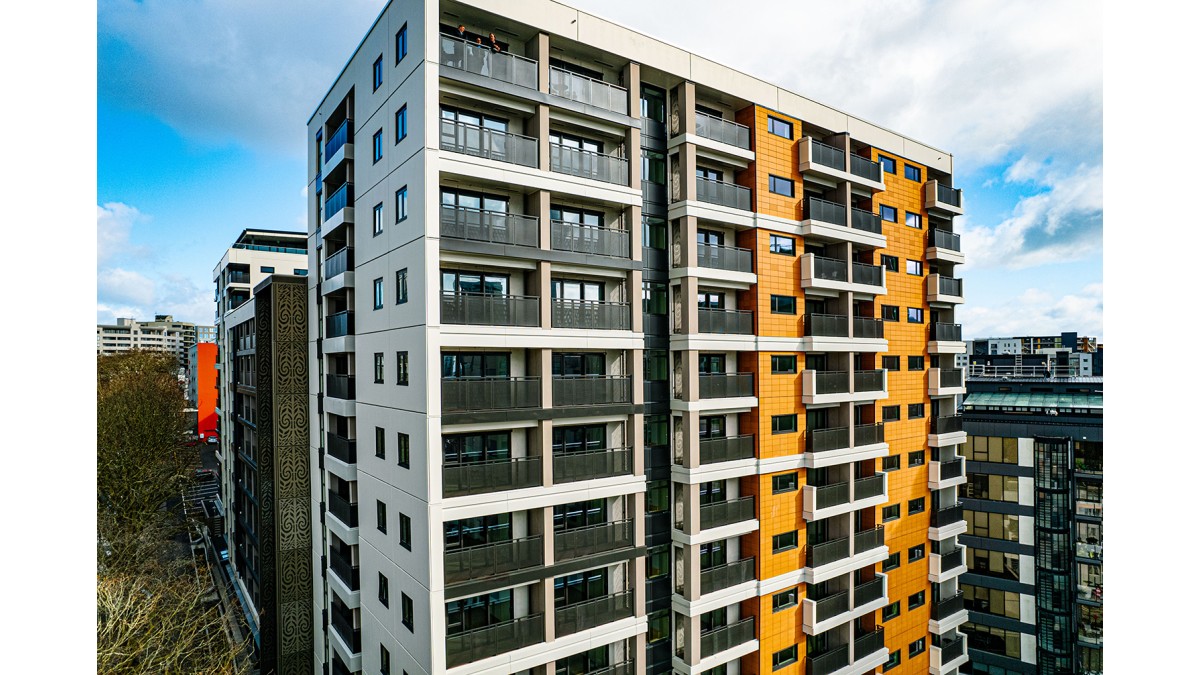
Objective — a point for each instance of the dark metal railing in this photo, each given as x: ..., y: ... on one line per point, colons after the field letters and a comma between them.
x: 725, y: 576
x: 726, y: 512
x: 830, y: 269
x: 943, y: 609
x: 868, y: 380
x: 831, y: 382
x: 483, y: 60
x: 952, y: 559
x: 868, y: 434
x: 578, y: 238
x: 944, y: 239
x: 493, y: 227
x: 950, y: 286
x: 950, y: 377
x: 831, y: 606
x: 725, y: 321
x: 339, y: 324
x: 730, y: 258
x: 591, y: 613
x: 835, y: 494
x: 726, y: 385
x: 866, y: 221
x: 341, y: 447
x: 238, y: 277
x: 340, y: 386
x: 592, y: 539
x: 726, y: 449
x: 949, y: 195
x: 827, y: 155
x: 868, y: 644
x: 722, y: 193
x: 866, y: 488
x: 592, y: 390
x: 589, y: 164
x: 342, y: 509
x: 871, y: 275
x: 502, y: 146
x: 478, y: 644
x: 344, y: 571
x: 826, y: 325
x: 592, y: 464
x: 590, y: 314
x: 824, y: 211
x: 337, y: 139
x: 723, y: 131
x: 345, y: 629
x: 947, y: 516
x: 339, y: 263
x: 949, y: 332
x: 868, y: 592
x: 821, y: 440
x: 866, y: 327
x: 865, y: 168
x: 868, y: 539
x: 489, y: 560
x: 951, y: 469
x: 826, y: 552
x: 339, y: 199
x: 489, y: 309
x: 952, y: 649
x: 829, y: 662
x: 490, y: 393
x: 588, y: 90
x: 947, y: 425
x: 491, y: 476
x: 726, y: 637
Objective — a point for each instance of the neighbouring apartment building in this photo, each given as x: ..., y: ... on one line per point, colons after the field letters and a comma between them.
x: 1033, y: 344
x: 624, y: 362
x: 163, y: 334
x: 1034, y: 509
x: 202, y: 387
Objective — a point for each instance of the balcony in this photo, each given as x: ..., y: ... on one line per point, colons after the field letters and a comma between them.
x: 489, y: 560
x: 829, y: 162
x: 945, y: 566
x: 344, y: 627
x: 593, y: 390
x: 838, y: 332
x: 489, y: 309
x: 341, y: 447
x: 868, y: 645
x: 490, y: 393
x: 339, y: 138
x: 819, y: 615
x: 345, y: 571
x: 342, y: 509
x: 491, y: 227
x: 726, y: 258
x: 482, y: 60
x: 481, y: 643
x: 724, y: 321
x: 836, y: 440
x: 866, y: 169
x: 500, y: 146
x: 868, y: 540
x: 590, y: 314
x: 726, y: 449
x: 589, y: 239
x: 948, y: 608
x: 824, y: 211
x: 827, y: 552
x: 945, y: 656
x: 581, y: 616
x: 570, y: 467
x: 589, y: 91
x: 719, y: 514
x: 722, y: 194
x: 827, y: 220
x: 943, y: 290
x: 838, y: 276
x: 945, y: 517
x: 588, y: 164
x: 475, y: 478
x: 944, y: 246
x: 340, y: 324
x: 726, y: 637
x: 946, y: 382
x: 824, y: 501
x: 946, y: 431
x: 726, y: 385
x: 943, y: 199
x: 720, y: 577
x: 339, y: 263
x: 830, y: 387
x: 581, y: 542
x: 340, y: 386
x: 946, y: 474
x: 339, y: 207
x: 946, y: 338
x: 722, y: 131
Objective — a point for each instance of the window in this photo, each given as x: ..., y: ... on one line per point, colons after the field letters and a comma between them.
x: 894, y: 657
x: 916, y: 315
x: 993, y: 601
x: 377, y: 74
x: 991, y: 525
x: 402, y: 449
x: 779, y: 127
x: 782, y: 245
x: 917, y: 552
x: 380, y: 447
x: 893, y: 610
x: 916, y: 647
x: 786, y: 599
x: 784, y: 482
x: 379, y: 293
x: 381, y: 516
x: 783, y: 364
x: 658, y: 562
x: 402, y: 203
x: 891, y: 363
x: 891, y: 413
x: 402, y: 43
x: 783, y: 657
x: 916, y: 363
x: 406, y: 611
x: 377, y: 220
x: 783, y: 304
x: 891, y: 512
x: 889, y: 312
x: 402, y: 123
x: 888, y: 213
x: 402, y: 368
x: 784, y: 542
x: 916, y: 600
x: 888, y: 164
x: 378, y: 367
x: 890, y: 262
x: 783, y: 424
x: 917, y: 457
x: 912, y: 172
x: 916, y: 411
x: 891, y: 462
x: 402, y: 286
x: 267, y: 270
x: 383, y: 590
x: 991, y: 449
x: 781, y: 186
x: 912, y: 219
x: 406, y: 531
x: 377, y: 146
x: 892, y: 562
x: 914, y: 267
x: 300, y: 273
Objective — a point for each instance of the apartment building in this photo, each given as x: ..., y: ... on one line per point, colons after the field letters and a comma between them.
x: 1034, y: 344
x: 608, y: 343
x: 1034, y: 511
x: 163, y: 334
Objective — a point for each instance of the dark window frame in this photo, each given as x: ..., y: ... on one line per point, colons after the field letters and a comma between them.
x: 773, y: 181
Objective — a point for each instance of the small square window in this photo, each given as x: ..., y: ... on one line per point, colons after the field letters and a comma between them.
x: 379, y: 293
x: 916, y: 411
x: 893, y: 610
x: 781, y: 186
x: 377, y: 146
x: 402, y: 449
x: 892, y: 562
x: 916, y: 506
x: 916, y: 553
x: 891, y: 512
x: 783, y: 304
x: 916, y: 315
x: 916, y: 600
x: 890, y: 262
x: 407, y: 615
x: 380, y: 447
x: 381, y: 516
x: 916, y: 363
x: 914, y: 267
x: 912, y: 219
x: 889, y: 312
x: 779, y: 127
x: 917, y: 457
x: 888, y: 164
x: 402, y: 43
x: 782, y: 245
x: 890, y: 463
x: 377, y: 74
x: 783, y: 364
x: 887, y: 213
x: 784, y: 482
x: 406, y: 531
x: 785, y: 599
x: 784, y: 542
x: 402, y: 123
x: 891, y: 363
x: 402, y: 286
x: 378, y: 367
x: 912, y: 173
x: 383, y: 590
x: 893, y: 658
x: 784, y: 657
x: 916, y: 647
x: 402, y: 203
x: 377, y: 220
x: 783, y: 424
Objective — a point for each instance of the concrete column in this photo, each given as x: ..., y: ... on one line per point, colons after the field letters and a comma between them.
x: 539, y: 128
x: 691, y: 508
x: 547, y: 525
x: 544, y: 601
x: 691, y: 575
x: 690, y: 423
x: 682, y: 118
x: 843, y: 197
x: 542, y: 439
x: 540, y: 365
x: 639, y: 654
x: 631, y: 75
x: 841, y: 142
x: 687, y: 171
x: 687, y: 241
x: 691, y: 372
x: 636, y: 367
x: 689, y: 312
x: 635, y: 439
x: 635, y: 300
x: 691, y: 641
x: 538, y: 204
x: 540, y: 50
x: 542, y: 282
x: 639, y: 566
x: 633, y: 221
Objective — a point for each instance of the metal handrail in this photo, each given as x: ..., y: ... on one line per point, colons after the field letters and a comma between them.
x: 739, y: 133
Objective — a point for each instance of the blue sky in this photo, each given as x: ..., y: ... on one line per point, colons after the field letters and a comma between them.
x: 202, y: 107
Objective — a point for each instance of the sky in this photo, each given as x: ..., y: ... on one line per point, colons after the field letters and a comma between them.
x: 202, y: 109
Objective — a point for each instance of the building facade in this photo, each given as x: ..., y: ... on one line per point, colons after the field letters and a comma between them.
x: 1034, y: 510
x: 163, y: 334
x: 202, y: 387
x: 624, y: 362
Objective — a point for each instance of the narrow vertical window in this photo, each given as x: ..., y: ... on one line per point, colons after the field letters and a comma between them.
x: 402, y: 203
x: 377, y: 74
x: 402, y: 368
x: 401, y: 43
x: 402, y: 286
x: 401, y: 123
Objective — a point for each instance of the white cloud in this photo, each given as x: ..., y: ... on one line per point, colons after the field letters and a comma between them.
x: 1036, y: 311
x: 118, y: 285
x: 114, y: 224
